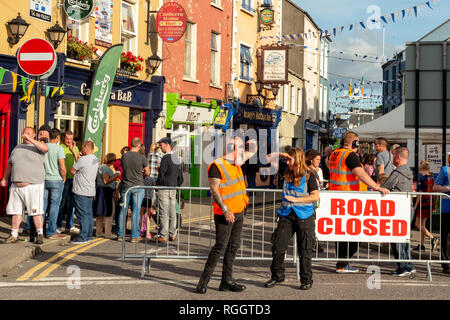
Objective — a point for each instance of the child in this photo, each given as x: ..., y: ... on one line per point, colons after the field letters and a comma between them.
x: 425, y: 205
x: 401, y: 180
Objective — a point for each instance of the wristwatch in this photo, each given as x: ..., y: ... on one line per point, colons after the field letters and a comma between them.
x: 225, y: 209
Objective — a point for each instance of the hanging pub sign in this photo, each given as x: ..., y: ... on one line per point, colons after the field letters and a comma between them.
x: 171, y: 22
x: 78, y: 10
x: 274, y: 64
x: 266, y: 16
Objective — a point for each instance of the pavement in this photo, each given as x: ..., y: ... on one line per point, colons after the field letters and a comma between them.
x: 13, y: 255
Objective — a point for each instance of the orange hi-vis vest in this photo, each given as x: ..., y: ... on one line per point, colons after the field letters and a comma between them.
x: 232, y: 187
x: 341, y: 177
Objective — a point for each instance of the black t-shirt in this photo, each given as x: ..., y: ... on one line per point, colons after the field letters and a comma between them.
x: 312, y: 183
x: 214, y: 172
x: 353, y: 161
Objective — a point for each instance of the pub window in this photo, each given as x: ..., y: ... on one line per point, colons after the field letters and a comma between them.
x: 71, y: 116
x: 215, y: 59
x: 128, y: 27
x: 246, y: 62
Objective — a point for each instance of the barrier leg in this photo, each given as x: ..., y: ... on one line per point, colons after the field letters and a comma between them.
x: 143, y: 267
x: 430, y: 277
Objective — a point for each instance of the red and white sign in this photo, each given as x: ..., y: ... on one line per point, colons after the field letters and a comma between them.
x: 171, y: 22
x: 363, y: 217
x: 36, y: 57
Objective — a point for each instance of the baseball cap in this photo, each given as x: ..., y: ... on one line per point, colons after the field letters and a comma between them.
x: 165, y: 140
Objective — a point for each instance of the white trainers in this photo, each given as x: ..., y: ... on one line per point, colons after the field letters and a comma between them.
x: 59, y: 230
x: 74, y: 230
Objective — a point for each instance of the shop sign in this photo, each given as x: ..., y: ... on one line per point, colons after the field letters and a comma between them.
x: 256, y: 116
x: 119, y: 95
x: 185, y: 114
x: 266, y: 16
x: 221, y: 118
x: 274, y: 66
x: 78, y: 10
x: 41, y: 9
x: 311, y: 126
x: 171, y: 22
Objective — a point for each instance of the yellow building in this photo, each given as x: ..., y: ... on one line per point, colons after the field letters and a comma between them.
x: 135, y: 101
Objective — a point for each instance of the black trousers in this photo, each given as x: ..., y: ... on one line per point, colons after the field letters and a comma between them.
x: 345, y: 250
x: 228, y: 240
x: 445, y: 227
x: 287, y: 226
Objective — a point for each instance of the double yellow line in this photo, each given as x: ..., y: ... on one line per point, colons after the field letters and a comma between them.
x: 78, y: 249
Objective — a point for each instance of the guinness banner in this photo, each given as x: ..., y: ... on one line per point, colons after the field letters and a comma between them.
x: 100, y: 95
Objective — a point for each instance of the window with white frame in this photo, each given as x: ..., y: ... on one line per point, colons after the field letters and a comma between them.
x: 71, y: 116
x: 286, y: 97
x: 190, y: 53
x: 79, y: 30
x: 246, y: 62
x: 215, y: 59
x: 293, y: 94
x: 325, y: 103
x: 299, y: 101
x: 247, y: 5
x: 128, y: 27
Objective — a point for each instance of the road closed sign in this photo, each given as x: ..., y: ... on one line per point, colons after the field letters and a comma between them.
x: 363, y: 217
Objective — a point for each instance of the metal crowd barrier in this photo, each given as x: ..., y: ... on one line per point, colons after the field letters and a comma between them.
x: 195, y: 233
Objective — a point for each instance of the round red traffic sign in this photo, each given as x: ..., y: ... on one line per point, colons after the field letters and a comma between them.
x: 171, y: 22
x: 36, y: 57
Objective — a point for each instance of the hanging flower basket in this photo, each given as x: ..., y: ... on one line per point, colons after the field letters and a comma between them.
x: 130, y: 62
x: 79, y: 50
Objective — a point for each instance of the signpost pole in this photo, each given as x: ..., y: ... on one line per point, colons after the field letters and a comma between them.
x: 37, y: 92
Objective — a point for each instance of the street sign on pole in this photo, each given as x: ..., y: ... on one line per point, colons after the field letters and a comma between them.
x: 36, y: 57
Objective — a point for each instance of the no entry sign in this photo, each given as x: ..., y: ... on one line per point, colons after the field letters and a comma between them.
x: 36, y: 57
x: 171, y: 22
x: 363, y: 217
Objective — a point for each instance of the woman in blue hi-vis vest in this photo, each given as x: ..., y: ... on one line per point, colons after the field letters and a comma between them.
x: 300, y: 191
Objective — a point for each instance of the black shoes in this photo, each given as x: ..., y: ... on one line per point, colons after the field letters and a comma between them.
x: 306, y: 286
x: 202, y: 286
x: 272, y: 282
x: 231, y: 286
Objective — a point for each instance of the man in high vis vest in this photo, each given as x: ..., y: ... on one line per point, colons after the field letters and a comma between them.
x: 228, y: 190
x: 347, y: 174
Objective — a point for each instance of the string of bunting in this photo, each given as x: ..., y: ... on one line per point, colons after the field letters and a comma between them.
x: 391, y: 17
x: 27, y: 85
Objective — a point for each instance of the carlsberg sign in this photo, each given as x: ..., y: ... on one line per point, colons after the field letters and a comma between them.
x: 78, y: 9
x: 100, y: 95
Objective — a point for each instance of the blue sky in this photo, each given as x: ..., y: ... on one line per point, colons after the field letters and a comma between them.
x: 335, y: 13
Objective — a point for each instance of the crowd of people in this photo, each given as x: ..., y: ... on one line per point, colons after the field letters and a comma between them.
x: 52, y: 180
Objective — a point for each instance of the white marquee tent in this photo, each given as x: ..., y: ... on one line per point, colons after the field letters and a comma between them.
x: 392, y: 127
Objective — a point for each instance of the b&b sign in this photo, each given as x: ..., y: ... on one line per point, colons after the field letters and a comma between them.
x: 363, y: 217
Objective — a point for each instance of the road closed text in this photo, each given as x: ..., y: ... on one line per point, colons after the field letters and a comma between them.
x: 368, y: 218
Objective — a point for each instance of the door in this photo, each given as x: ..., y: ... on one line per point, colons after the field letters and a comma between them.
x: 136, y: 126
x: 5, y: 111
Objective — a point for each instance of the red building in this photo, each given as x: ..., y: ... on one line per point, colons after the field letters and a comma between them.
x: 199, y: 64
x: 197, y: 68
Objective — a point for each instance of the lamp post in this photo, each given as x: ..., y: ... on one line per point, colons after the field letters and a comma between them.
x: 17, y: 27
x: 56, y: 34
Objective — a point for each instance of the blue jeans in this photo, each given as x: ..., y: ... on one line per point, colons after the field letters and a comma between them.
x: 52, y: 197
x: 401, y: 251
x: 66, y: 206
x: 134, y: 199
x: 84, y: 212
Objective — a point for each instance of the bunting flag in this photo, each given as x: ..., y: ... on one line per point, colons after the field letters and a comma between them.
x: 385, y: 18
x: 14, y: 83
x: 27, y: 96
x: 2, y: 74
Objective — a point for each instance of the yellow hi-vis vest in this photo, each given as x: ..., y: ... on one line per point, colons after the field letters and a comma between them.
x: 232, y: 187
